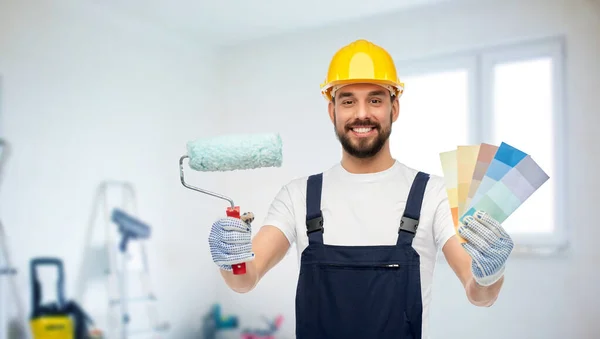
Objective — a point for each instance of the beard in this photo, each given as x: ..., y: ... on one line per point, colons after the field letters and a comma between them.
x: 364, y: 147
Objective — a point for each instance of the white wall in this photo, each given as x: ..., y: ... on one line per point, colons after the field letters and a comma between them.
x: 88, y: 97
x: 71, y: 77
x: 274, y: 83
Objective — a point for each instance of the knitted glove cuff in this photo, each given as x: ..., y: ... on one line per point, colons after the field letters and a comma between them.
x: 490, y: 279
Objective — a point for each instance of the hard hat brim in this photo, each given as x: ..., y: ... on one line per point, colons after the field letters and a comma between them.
x: 326, y: 88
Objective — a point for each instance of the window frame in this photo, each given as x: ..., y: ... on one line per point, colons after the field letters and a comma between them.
x: 479, y: 63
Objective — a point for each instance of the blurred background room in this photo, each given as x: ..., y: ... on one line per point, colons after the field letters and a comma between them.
x: 99, y: 98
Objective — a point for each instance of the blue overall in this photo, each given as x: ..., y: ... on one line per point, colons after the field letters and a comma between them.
x: 360, y: 292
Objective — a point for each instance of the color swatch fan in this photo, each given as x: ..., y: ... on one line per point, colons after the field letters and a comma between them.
x: 494, y: 179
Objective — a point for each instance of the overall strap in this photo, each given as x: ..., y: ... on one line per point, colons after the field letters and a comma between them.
x: 412, y: 212
x: 314, y: 217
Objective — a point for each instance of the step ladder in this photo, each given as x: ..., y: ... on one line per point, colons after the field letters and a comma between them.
x: 9, y: 292
x: 127, y: 296
x: 10, y: 296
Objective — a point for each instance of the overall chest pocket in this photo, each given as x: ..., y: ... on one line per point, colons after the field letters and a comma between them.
x: 363, y: 300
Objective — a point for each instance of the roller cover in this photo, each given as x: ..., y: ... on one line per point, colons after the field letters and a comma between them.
x: 235, y: 152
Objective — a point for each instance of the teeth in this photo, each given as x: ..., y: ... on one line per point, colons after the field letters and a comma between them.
x: 362, y: 129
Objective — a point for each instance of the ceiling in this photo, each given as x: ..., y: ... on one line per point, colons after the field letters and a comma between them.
x: 226, y: 22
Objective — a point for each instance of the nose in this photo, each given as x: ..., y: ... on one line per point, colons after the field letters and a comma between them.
x: 362, y: 111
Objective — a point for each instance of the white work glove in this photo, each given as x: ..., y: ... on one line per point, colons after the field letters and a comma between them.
x: 230, y: 242
x: 489, y: 246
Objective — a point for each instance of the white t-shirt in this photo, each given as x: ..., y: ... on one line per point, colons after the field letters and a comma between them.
x: 365, y: 209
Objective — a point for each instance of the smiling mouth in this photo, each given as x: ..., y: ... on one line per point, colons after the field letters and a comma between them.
x: 362, y: 129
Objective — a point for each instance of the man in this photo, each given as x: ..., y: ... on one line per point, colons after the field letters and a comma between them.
x: 368, y: 229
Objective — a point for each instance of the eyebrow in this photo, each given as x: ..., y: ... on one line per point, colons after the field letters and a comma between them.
x: 378, y: 92
x: 372, y: 93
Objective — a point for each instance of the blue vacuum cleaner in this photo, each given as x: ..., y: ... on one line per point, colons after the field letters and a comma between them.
x: 214, y: 322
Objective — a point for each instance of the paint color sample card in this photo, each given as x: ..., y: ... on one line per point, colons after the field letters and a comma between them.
x: 449, y: 168
x: 485, y: 156
x: 494, y: 179
x: 504, y: 160
x: 510, y: 192
x: 466, y: 159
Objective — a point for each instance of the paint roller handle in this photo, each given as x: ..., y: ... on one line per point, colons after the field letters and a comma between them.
x: 234, y: 212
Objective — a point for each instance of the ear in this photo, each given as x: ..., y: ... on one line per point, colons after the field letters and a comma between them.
x: 395, y: 109
x: 331, y: 109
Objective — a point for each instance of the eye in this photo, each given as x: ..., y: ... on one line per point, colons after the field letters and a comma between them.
x: 347, y: 102
x: 376, y: 101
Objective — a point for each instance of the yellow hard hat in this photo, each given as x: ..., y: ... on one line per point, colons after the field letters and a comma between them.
x: 362, y: 62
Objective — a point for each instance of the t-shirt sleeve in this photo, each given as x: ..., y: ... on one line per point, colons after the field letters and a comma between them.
x: 443, y: 224
x: 281, y: 214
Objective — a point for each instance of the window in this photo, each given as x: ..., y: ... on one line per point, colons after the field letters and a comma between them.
x: 446, y: 118
x: 511, y: 94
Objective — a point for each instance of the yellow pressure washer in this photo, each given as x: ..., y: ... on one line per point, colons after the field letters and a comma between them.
x: 61, y: 319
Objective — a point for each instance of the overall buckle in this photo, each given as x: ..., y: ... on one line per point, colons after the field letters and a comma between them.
x: 408, y: 225
x: 314, y: 225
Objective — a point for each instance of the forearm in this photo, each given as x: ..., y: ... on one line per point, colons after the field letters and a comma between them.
x: 483, y: 296
x: 242, y: 283
x: 269, y: 247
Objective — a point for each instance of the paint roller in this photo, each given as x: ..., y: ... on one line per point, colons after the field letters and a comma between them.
x: 129, y: 227
x: 230, y: 153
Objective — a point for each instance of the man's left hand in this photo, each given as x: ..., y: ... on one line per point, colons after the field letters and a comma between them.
x: 489, y: 246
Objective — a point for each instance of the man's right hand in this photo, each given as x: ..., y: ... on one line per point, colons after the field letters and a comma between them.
x: 230, y: 242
